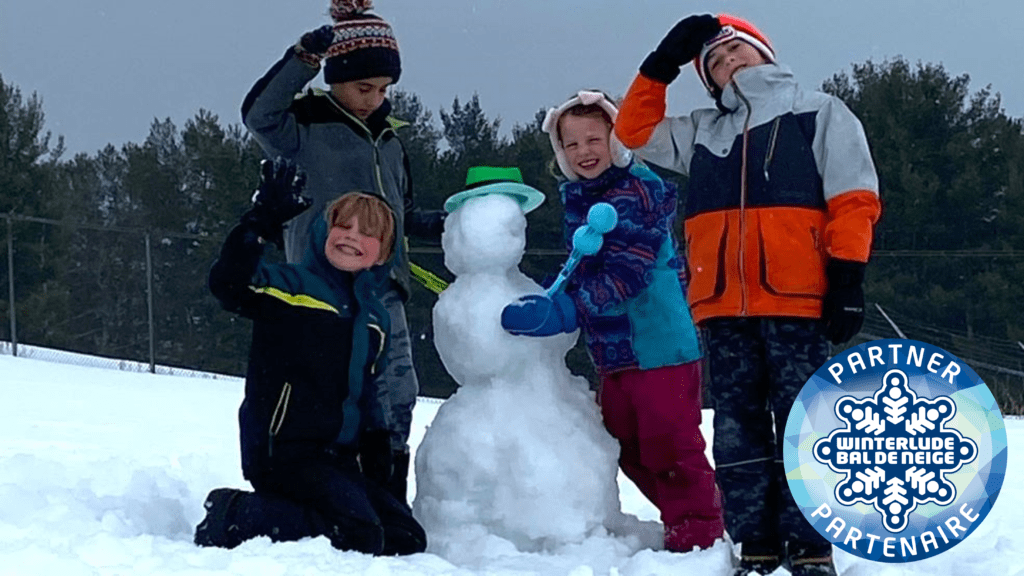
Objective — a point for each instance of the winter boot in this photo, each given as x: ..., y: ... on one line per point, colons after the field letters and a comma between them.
x: 217, y: 528
x: 282, y: 520
x: 814, y: 569
x: 693, y: 533
x: 811, y: 560
x: 234, y: 516
x: 758, y: 559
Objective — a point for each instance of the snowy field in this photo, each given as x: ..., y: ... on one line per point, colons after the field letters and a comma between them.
x: 104, y: 472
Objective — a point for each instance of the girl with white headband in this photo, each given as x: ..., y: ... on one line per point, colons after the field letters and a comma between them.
x: 629, y: 300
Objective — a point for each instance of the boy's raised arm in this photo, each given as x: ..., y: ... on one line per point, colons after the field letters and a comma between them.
x: 266, y: 110
x: 641, y: 121
x: 641, y: 111
x: 277, y: 200
x: 644, y: 105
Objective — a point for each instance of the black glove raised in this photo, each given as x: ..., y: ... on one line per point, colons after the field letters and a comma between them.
x: 277, y: 200
x: 375, y: 456
x: 682, y: 44
x: 314, y: 44
x: 843, y: 308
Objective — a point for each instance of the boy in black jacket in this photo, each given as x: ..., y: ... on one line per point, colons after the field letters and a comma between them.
x: 314, y: 438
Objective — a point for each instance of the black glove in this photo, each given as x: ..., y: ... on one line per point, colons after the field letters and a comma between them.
x: 375, y: 456
x: 314, y: 44
x: 277, y: 200
x: 843, y: 308
x: 682, y: 44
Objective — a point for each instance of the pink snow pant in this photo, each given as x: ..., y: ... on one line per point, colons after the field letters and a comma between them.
x: 655, y: 415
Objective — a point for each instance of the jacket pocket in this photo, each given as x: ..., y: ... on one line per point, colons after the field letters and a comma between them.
x: 277, y: 418
x: 706, y: 239
x: 793, y: 262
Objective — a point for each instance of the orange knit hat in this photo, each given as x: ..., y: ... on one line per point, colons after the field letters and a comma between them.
x: 732, y: 28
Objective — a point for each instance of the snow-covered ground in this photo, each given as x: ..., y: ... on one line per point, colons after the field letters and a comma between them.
x: 104, y: 471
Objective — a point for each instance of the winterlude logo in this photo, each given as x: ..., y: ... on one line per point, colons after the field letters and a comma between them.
x: 895, y: 450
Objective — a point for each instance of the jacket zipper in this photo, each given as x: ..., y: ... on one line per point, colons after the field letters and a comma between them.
x: 375, y: 142
x: 380, y: 350
x: 376, y: 170
x: 743, y: 199
x: 277, y: 418
x: 771, y: 147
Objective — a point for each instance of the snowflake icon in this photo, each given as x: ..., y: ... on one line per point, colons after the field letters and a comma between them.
x: 895, y: 450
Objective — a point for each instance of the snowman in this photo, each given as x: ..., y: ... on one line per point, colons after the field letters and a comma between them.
x: 518, y: 456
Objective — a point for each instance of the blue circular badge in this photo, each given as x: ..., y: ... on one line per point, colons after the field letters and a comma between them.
x: 895, y: 450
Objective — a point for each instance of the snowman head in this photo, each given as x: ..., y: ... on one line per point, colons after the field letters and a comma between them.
x: 486, y: 234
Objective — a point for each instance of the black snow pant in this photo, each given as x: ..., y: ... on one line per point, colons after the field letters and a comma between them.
x: 319, y: 497
x: 757, y: 367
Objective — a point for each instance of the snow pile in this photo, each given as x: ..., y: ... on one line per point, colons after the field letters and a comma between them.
x: 104, y: 472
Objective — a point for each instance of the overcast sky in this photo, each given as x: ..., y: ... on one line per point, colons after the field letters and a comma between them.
x: 106, y: 68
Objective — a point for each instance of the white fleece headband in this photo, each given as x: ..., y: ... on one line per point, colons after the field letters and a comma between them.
x: 620, y: 154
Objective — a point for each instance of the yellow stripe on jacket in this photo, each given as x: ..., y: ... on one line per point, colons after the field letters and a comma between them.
x: 301, y: 300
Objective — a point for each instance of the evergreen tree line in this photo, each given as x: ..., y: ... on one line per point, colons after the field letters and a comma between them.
x: 949, y: 251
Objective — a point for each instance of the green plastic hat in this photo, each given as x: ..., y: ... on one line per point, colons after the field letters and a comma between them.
x: 484, y: 180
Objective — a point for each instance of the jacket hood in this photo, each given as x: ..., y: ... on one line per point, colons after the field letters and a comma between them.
x: 758, y: 86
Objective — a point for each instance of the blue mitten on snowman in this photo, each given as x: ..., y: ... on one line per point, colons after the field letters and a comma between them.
x: 554, y: 312
x: 540, y: 315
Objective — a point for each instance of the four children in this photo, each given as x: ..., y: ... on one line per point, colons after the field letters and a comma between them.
x: 781, y: 202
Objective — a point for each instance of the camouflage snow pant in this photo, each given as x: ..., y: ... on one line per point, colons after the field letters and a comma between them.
x: 399, y: 377
x: 757, y: 368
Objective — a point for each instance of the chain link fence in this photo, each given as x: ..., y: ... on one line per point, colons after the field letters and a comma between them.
x: 139, y: 298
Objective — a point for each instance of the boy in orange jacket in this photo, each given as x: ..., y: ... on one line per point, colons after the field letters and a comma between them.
x: 781, y: 204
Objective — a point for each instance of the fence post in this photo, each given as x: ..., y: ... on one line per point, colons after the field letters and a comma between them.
x: 149, y: 305
x: 10, y: 284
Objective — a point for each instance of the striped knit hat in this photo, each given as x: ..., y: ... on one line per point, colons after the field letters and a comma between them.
x: 364, y: 44
x: 732, y: 28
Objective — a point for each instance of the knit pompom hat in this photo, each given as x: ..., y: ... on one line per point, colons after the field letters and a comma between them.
x: 732, y: 28
x: 364, y: 44
x: 620, y: 154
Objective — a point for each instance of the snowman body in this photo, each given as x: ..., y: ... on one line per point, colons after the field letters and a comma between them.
x: 519, y: 452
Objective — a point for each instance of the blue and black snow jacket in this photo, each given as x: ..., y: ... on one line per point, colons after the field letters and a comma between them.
x: 317, y: 341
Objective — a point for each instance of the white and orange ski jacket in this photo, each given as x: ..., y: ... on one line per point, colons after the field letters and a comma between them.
x: 779, y: 184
